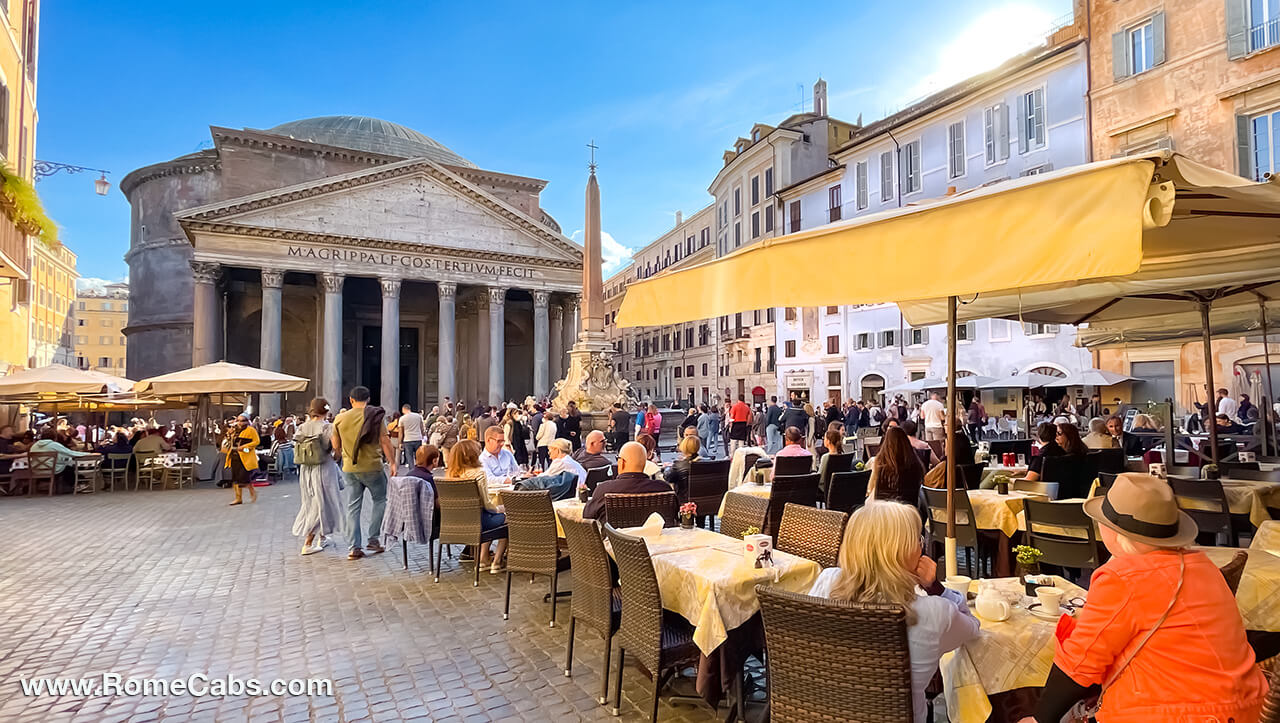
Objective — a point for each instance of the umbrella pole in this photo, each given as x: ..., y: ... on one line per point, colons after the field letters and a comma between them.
x: 1265, y: 417
x: 1207, y: 338
x: 951, y: 437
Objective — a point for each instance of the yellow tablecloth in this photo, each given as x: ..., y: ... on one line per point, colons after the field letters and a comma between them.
x: 989, y: 474
x: 1016, y: 653
x: 702, y: 576
x: 994, y: 511
x: 1267, y: 537
x: 1252, y: 497
x: 747, y: 488
x: 1259, y: 595
x: 570, y: 508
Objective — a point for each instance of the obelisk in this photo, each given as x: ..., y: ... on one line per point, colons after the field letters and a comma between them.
x: 592, y: 264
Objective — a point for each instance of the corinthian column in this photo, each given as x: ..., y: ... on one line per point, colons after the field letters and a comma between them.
x: 331, y: 364
x: 557, y: 343
x: 270, y: 352
x: 541, y: 385
x: 207, y: 312
x: 497, y: 344
x: 480, y: 350
x: 570, y: 323
x: 448, y: 293
x: 390, y: 392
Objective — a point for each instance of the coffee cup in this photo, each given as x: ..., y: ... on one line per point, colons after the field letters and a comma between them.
x: 1050, y: 599
x: 958, y: 583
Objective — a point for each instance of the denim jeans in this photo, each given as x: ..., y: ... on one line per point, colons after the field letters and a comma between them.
x: 774, y: 437
x: 410, y: 451
x: 357, y: 483
x: 563, y: 485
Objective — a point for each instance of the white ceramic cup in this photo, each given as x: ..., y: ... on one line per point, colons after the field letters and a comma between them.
x: 1050, y: 599
x: 958, y: 583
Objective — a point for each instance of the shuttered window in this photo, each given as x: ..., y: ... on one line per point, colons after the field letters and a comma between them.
x: 886, y: 176
x: 955, y: 150
x: 1031, y: 121
x: 995, y: 132
x: 860, y: 179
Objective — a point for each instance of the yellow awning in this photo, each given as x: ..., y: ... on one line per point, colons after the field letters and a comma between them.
x: 1080, y: 222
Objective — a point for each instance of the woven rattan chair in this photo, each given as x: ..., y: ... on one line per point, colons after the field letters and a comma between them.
x: 792, y: 466
x: 835, y: 463
x: 531, y: 541
x: 708, y: 483
x: 116, y: 469
x: 847, y: 491
x: 741, y: 512
x: 40, y: 468
x: 628, y: 510
x: 661, y: 642
x: 1234, y: 570
x: 935, y: 501
x: 87, y: 474
x: 797, y: 489
x: 596, y: 600
x: 1048, y: 525
x: 812, y: 533
x: 1271, y: 704
x: 460, y: 507
x: 835, y: 661
x: 596, y: 475
x: 1206, y: 503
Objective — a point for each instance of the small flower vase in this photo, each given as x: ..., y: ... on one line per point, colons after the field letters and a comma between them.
x: 1024, y: 571
x: 686, y: 522
x: 1002, y: 486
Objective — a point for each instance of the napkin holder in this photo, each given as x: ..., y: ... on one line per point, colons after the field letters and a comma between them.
x: 757, y: 550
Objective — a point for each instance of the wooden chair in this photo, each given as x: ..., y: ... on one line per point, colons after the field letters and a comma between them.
x: 1206, y: 503
x: 661, y: 642
x: 41, y: 467
x: 935, y: 502
x: 1048, y: 489
x: 87, y: 474
x: 460, y: 507
x: 596, y: 475
x: 847, y: 491
x: 798, y: 489
x: 742, y: 512
x: 116, y: 469
x: 812, y: 533
x: 147, y: 470
x: 628, y: 510
x: 1046, y: 524
x: 708, y: 483
x: 835, y: 661
x: 532, y: 541
x: 1234, y: 570
x: 596, y: 600
x: 1232, y: 471
x: 790, y: 466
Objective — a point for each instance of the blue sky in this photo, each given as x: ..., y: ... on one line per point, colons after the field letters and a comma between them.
x: 663, y: 88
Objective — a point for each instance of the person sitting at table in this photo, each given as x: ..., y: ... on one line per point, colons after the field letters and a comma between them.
x: 499, y: 463
x: 1130, y: 443
x: 1143, y: 423
x: 1161, y: 635
x: 1047, y: 433
x: 832, y: 443
x: 677, y: 475
x: 1098, y: 438
x: 881, y: 561
x: 793, y: 446
x: 631, y: 480
x: 897, y: 473
x: 118, y: 443
x: 591, y: 454
x: 1227, y: 426
x: 562, y: 476
x: 64, y: 469
x: 651, y: 466
x: 152, y: 443
x: 911, y: 428
x: 464, y: 464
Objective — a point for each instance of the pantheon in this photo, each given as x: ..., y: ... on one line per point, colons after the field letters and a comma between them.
x: 349, y: 250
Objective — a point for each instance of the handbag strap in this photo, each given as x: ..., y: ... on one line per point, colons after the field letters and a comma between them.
x: 1182, y: 568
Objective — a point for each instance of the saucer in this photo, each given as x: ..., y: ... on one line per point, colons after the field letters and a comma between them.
x: 1036, y: 610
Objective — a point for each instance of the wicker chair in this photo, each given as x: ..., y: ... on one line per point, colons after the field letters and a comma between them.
x: 812, y: 533
x: 798, y: 489
x: 835, y: 661
x: 847, y: 491
x: 792, y: 466
x: 935, y: 501
x: 1271, y: 704
x: 741, y: 512
x: 460, y: 507
x: 661, y: 642
x: 115, y: 470
x: 835, y: 464
x: 596, y: 600
x: 1208, y: 507
x: 1045, y: 522
x: 41, y: 467
x: 531, y: 541
x: 596, y: 475
x: 87, y: 474
x: 708, y: 483
x: 1234, y: 570
x: 627, y: 510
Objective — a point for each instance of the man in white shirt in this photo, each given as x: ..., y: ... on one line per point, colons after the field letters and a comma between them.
x: 934, y: 414
x: 500, y: 466
x: 562, y: 477
x: 411, y: 432
x: 1227, y: 405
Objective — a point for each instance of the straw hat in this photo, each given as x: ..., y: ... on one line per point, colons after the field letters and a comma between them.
x: 1142, y: 507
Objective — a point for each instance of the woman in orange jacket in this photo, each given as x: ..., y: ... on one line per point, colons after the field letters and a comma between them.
x: 1160, y: 638
x: 241, y: 447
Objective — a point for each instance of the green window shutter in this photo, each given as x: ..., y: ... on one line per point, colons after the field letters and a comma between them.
x: 1237, y: 28
x: 1157, y: 38
x: 1120, y: 55
x: 1244, y: 149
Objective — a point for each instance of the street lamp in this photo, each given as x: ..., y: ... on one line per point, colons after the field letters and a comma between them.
x: 44, y: 169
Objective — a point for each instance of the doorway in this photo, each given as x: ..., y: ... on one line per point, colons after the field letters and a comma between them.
x: 371, y: 366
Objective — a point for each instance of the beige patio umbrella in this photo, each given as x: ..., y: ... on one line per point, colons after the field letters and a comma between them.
x: 220, y: 378
x: 57, y: 379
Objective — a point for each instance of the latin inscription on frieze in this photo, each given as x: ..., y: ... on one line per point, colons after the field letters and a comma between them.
x: 357, y: 259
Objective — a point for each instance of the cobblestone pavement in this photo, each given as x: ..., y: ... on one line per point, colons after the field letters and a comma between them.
x: 175, y: 582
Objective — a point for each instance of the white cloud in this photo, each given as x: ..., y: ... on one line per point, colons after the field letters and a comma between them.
x: 92, y: 283
x: 613, y: 254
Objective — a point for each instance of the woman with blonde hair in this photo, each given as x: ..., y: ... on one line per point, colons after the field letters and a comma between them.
x: 677, y: 475
x: 464, y: 464
x: 882, y: 561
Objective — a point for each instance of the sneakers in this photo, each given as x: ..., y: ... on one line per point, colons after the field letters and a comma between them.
x: 375, y: 548
x: 355, y: 554
x: 312, y: 549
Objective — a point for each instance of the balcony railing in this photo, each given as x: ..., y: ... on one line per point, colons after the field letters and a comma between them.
x: 13, y: 250
x: 1264, y: 34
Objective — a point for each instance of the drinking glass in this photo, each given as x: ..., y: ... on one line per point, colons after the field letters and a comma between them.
x: 1022, y: 460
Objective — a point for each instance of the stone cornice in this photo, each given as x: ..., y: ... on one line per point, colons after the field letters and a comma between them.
x: 202, y: 162
x: 156, y: 243
x: 275, y: 142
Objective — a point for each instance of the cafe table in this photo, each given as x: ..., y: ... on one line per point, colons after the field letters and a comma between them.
x: 994, y: 511
x: 1251, y: 497
x: 747, y: 488
x: 1267, y: 537
x: 1015, y: 653
x: 570, y: 508
x: 1259, y: 594
x: 990, y: 471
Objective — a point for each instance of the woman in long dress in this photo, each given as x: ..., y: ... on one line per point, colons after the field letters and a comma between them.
x: 319, y: 480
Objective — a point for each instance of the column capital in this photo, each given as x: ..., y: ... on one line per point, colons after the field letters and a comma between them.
x: 541, y: 299
x: 390, y: 286
x: 272, y: 279
x: 206, y: 272
x: 332, y: 283
x: 447, y: 289
x: 497, y: 295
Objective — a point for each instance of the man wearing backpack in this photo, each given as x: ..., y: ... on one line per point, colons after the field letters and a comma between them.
x: 361, y: 433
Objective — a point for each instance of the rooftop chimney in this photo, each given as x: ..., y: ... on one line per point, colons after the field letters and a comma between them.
x: 820, y: 97
x: 679, y: 218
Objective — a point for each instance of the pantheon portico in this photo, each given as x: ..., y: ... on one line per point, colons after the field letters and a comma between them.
x: 420, y: 278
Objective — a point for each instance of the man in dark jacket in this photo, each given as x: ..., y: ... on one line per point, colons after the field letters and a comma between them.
x: 795, y: 416
x: 631, y: 480
x: 773, y: 426
x: 591, y: 455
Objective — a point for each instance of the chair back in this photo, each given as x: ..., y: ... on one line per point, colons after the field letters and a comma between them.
x: 1181, y: 470
x: 969, y: 476
x: 640, y: 632
x: 596, y: 475
x: 42, y: 464
x: 870, y: 447
x: 798, y: 489
x: 1048, y: 489
x: 790, y: 466
x: 1063, y: 532
x: 936, y: 502
x: 1206, y: 503
x: 593, y: 588
x: 1230, y: 468
x: 1226, y: 449
x: 741, y: 512
x: 1234, y: 570
x: 847, y: 491
x: 1106, y: 479
x: 926, y: 457
x: 1016, y: 446
x: 1232, y: 471
x: 836, y: 463
x: 835, y: 661
x: 117, y: 461
x: 708, y: 483
x: 749, y: 461
x: 1108, y: 460
x: 531, y: 531
x: 1074, y: 474
x: 628, y: 510
x: 812, y: 533
x: 460, y: 508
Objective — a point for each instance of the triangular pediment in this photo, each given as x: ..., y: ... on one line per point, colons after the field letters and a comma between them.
x: 412, y: 202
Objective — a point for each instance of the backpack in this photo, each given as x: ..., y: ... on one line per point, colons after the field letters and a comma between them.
x: 308, y: 450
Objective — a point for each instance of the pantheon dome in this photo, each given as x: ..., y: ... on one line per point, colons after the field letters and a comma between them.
x: 375, y: 135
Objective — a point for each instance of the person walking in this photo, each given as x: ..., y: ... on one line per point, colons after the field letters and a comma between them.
x: 546, y: 433
x: 934, y: 414
x: 977, y: 417
x: 570, y: 425
x: 412, y: 431
x: 319, y: 480
x: 772, y: 427
x: 653, y: 422
x: 241, y: 447
x: 360, y: 434
x: 709, y: 430
x: 739, y: 424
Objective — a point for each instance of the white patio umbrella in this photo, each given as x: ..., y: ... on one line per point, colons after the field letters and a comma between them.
x: 1030, y: 380
x: 918, y: 385
x: 973, y: 381
x: 1091, y: 378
